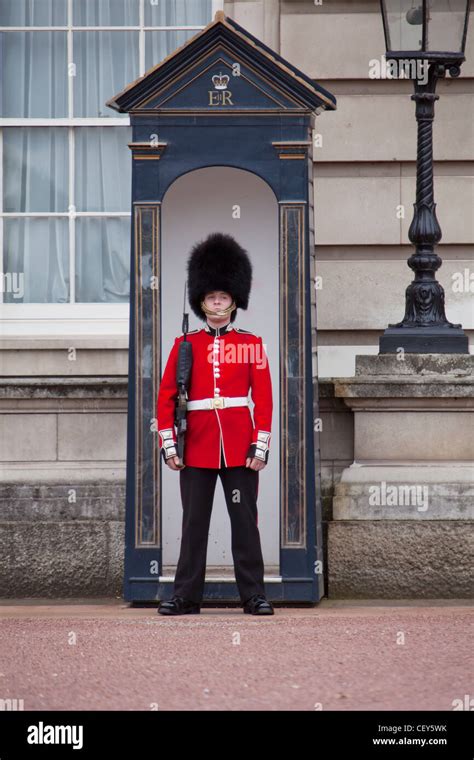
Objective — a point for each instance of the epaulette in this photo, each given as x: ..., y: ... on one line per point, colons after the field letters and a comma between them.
x: 241, y: 329
x: 190, y: 332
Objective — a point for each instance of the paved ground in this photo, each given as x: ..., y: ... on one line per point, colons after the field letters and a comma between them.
x: 349, y: 655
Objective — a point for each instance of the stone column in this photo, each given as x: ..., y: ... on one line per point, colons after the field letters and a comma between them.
x: 403, y: 512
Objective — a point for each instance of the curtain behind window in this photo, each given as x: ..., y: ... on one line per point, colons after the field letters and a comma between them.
x: 36, y: 159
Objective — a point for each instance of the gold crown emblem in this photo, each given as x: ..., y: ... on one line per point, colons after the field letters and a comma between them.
x: 220, y: 81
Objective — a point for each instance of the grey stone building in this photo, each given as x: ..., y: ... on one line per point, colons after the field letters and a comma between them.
x: 396, y: 433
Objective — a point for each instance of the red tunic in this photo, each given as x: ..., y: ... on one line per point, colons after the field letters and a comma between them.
x: 227, y: 364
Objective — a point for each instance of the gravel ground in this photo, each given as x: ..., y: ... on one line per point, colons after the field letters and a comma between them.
x: 346, y: 655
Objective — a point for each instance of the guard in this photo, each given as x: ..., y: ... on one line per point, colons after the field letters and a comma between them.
x: 221, y: 438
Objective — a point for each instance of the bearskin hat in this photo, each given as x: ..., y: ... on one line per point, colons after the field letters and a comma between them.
x: 218, y: 263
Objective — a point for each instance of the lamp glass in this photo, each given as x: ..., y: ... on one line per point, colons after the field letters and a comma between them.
x: 446, y: 22
x: 425, y: 25
x: 401, y: 35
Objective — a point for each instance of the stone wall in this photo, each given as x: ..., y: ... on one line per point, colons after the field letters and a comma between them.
x: 63, y: 508
x: 403, y: 512
x: 364, y: 171
x: 62, y: 489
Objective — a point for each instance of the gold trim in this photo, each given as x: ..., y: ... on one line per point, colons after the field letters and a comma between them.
x: 147, y: 151
x: 156, y: 351
x: 221, y: 313
x: 299, y: 371
x: 289, y: 149
x: 138, y: 482
x: 147, y: 145
x: 211, y: 112
x: 224, y: 63
x: 220, y: 18
x: 281, y: 65
x: 290, y: 143
x: 218, y: 46
x: 140, y: 210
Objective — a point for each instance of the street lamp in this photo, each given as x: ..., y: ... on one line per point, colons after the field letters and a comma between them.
x: 431, y: 36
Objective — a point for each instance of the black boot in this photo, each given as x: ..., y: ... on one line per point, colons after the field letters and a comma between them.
x: 177, y: 605
x: 258, y: 605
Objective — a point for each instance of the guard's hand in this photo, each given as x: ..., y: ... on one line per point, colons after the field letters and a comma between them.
x: 174, y: 463
x: 255, y: 464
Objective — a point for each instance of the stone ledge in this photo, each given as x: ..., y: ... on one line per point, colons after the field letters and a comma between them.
x: 426, y: 380
x: 418, y: 500
x: 60, y: 343
x: 430, y: 472
x: 51, y: 502
x: 56, y: 473
x: 63, y: 387
x: 454, y: 365
x: 405, y: 388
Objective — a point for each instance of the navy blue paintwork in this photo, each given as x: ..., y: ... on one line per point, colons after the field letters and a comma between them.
x: 189, y: 112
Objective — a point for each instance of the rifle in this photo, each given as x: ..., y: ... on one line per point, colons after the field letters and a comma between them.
x: 183, y: 374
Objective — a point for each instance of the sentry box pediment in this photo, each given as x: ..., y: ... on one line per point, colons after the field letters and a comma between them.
x: 223, y: 67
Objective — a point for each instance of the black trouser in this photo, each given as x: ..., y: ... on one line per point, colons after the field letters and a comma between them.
x: 197, y: 486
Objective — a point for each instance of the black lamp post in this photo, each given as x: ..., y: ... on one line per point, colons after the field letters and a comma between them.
x: 430, y: 35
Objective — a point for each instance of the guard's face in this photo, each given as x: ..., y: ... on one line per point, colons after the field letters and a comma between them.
x: 218, y: 300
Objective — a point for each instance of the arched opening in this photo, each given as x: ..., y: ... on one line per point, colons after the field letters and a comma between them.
x: 240, y: 203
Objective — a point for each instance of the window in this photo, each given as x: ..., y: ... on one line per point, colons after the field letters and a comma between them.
x: 65, y: 174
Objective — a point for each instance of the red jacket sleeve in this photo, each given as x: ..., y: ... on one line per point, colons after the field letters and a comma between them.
x: 261, y: 385
x: 165, y: 406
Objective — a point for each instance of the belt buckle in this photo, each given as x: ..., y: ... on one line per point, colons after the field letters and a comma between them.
x: 218, y: 402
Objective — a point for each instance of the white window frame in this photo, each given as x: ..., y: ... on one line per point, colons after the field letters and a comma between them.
x: 79, y: 319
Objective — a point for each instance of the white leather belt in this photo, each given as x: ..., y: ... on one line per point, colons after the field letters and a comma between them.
x: 218, y: 402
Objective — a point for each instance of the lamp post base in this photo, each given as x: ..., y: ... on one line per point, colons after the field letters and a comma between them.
x: 424, y: 340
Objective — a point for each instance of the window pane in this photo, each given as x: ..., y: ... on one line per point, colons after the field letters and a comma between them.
x: 34, y: 73
x: 33, y: 13
x: 177, y: 12
x: 403, y: 35
x: 36, y: 256
x: 160, y: 44
x: 109, y: 13
x: 103, y: 169
x: 105, y: 63
x: 446, y: 25
x: 35, y: 169
x: 102, y: 260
